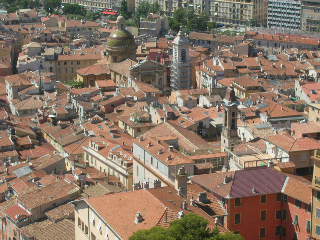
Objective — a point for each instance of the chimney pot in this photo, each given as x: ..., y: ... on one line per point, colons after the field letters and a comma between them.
x: 138, y: 218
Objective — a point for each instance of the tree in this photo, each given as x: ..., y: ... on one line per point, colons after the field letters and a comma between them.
x: 124, y: 9
x: 74, y: 9
x: 187, y: 19
x: 189, y: 227
x: 51, y: 5
x: 155, y: 233
x: 228, y: 236
x: 14, y: 5
x: 178, y: 19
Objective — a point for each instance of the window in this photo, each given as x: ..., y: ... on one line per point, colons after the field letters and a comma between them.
x: 233, y: 124
x: 151, y: 160
x: 183, y: 55
x: 237, y: 218
x: 78, y: 62
x: 82, y: 226
x: 318, y: 213
x: 65, y: 63
x: 308, y: 226
x: 263, y: 215
x: 298, y: 203
x: 237, y: 202
x: 263, y: 199
x: 93, y: 222
x: 262, y: 232
x: 137, y: 171
x: 278, y: 230
x: 318, y: 230
x: 281, y: 214
x: 79, y: 222
x: 309, y: 207
x: 284, y: 214
x: 318, y: 196
x: 93, y: 237
x: 279, y: 197
x: 296, y: 220
x: 284, y: 198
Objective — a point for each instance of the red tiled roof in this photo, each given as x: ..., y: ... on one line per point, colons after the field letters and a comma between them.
x: 15, y: 212
x: 291, y: 144
x: 243, y: 183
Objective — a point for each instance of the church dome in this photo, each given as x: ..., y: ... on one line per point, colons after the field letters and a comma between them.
x: 121, y: 38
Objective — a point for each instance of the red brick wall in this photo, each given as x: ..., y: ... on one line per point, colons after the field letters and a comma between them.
x: 304, y: 216
x: 251, y: 222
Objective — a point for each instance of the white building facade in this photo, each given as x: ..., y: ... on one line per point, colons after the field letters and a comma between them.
x: 181, y: 77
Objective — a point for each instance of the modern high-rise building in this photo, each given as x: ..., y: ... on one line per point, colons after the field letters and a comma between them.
x: 310, y: 19
x: 284, y: 14
x: 181, y: 77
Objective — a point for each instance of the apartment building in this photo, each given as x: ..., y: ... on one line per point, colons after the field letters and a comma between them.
x: 232, y: 11
x: 262, y: 203
x: 316, y: 198
x: 67, y: 65
x: 310, y: 20
x: 285, y: 14
x: 110, y: 159
x: 96, y: 4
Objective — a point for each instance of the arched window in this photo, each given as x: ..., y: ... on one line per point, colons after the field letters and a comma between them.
x: 183, y: 55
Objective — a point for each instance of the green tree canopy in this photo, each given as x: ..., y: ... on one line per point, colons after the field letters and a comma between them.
x: 189, y: 227
x: 155, y: 233
x: 124, y: 9
x: 14, y: 5
x: 228, y: 236
x: 188, y: 20
x: 75, y: 9
x: 51, y: 5
x: 145, y: 8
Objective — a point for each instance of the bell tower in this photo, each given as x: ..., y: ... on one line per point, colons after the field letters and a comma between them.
x: 181, y: 76
x: 229, y: 135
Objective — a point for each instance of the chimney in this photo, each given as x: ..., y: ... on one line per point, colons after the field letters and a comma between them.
x: 180, y: 214
x: 138, y: 218
x: 227, y: 179
x: 184, y: 205
x: 156, y: 184
x: 254, y: 191
x: 181, y: 182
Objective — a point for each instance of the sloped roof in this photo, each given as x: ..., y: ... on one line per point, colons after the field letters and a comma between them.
x: 243, y: 183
